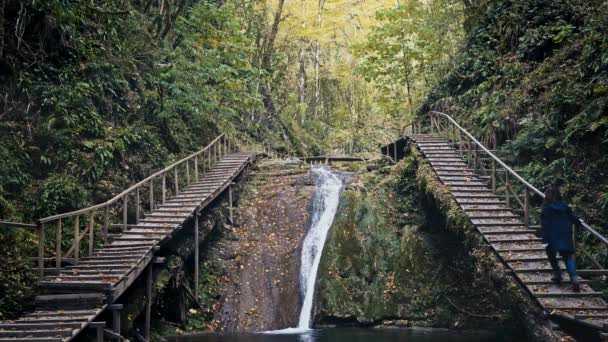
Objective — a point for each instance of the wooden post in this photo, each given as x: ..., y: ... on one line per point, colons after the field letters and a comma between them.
x: 225, y: 145
x: 99, y: 334
x: 395, y: 150
x: 137, y: 199
x: 209, y: 159
x: 164, y: 187
x: 460, y: 143
x: 196, y: 168
x: 148, y: 302
x: 527, y: 207
x: 41, y: 250
x: 196, y: 256
x: 91, y: 232
x: 151, y: 195
x: 106, y: 223
x: 176, y: 181
x: 475, y: 158
x: 116, y: 317
x: 76, y: 239
x: 188, y: 172
x: 230, y: 209
x: 493, y: 176
x: 507, y: 196
x: 58, y: 247
x: 125, y: 212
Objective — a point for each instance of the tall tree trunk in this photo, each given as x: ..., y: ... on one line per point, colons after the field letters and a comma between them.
x: 302, y: 80
x: 268, y: 48
x: 406, y: 74
x: 1, y: 28
x: 302, y: 72
x: 317, y: 58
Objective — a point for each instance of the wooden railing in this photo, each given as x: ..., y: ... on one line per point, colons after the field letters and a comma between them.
x: 504, y: 181
x: 155, y: 189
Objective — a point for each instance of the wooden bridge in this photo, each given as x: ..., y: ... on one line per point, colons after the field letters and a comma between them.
x: 499, y: 204
x: 81, y: 288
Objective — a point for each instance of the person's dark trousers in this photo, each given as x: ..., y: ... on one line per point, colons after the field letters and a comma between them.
x: 568, y: 260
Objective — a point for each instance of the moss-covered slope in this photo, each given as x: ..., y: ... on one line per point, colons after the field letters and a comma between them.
x: 395, y: 256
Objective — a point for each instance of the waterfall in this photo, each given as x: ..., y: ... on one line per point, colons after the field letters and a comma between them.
x: 325, y: 204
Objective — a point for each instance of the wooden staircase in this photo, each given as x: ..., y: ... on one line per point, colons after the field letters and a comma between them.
x: 515, y: 242
x: 74, y: 297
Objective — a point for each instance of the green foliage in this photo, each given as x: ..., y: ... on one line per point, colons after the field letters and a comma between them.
x: 97, y: 95
x: 17, y: 278
x: 405, y: 51
x: 533, y: 75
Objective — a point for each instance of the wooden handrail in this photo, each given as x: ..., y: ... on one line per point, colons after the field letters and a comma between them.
x: 130, y: 189
x: 17, y: 225
x: 210, y: 154
x: 528, y: 186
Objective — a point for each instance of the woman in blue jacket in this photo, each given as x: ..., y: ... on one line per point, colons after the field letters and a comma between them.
x: 557, y: 219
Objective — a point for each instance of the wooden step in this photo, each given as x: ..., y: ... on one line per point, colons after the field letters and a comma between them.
x: 568, y: 294
x: 31, y: 339
x: 526, y: 240
x: 35, y: 333
x: 40, y: 325
x: 70, y: 286
x: 499, y: 232
x: 65, y: 301
x: 549, y: 282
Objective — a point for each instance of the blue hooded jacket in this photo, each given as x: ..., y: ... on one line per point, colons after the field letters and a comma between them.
x: 557, y: 219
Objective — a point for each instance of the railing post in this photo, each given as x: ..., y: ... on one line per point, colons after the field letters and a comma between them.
x: 230, y: 208
x: 76, y: 239
x: 106, y: 223
x: 151, y: 194
x: 493, y: 176
x: 188, y: 172
x: 209, y: 159
x: 196, y: 168
x: 91, y: 232
x: 58, y: 247
x: 125, y: 203
x: 225, y: 146
x: 527, y: 207
x: 196, y: 256
x: 41, y: 250
x: 148, y: 302
x: 395, y: 150
x: 574, y: 242
x: 475, y: 158
x: 164, y: 187
x: 507, y: 196
x: 176, y: 180
x: 137, y: 199
x: 460, y: 143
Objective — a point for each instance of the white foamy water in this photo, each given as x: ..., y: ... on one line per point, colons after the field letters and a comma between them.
x: 325, y: 205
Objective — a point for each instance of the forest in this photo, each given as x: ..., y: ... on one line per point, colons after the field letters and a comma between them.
x: 96, y: 95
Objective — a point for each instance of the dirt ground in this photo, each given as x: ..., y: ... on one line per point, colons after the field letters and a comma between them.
x: 260, y: 287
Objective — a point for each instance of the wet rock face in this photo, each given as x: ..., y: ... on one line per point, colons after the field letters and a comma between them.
x: 260, y: 287
x: 389, y: 260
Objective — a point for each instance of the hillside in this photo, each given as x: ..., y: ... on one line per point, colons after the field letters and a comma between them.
x: 533, y: 77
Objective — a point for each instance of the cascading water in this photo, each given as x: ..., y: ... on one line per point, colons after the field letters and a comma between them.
x: 326, y: 198
x: 325, y: 205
